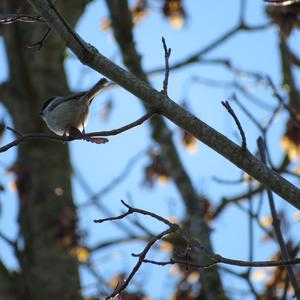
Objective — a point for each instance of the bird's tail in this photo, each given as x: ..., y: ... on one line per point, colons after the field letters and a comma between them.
x: 101, y: 84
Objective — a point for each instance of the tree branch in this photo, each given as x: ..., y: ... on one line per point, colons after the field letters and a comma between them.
x: 153, y: 99
x: 12, y: 18
x: 193, y: 243
x: 90, y: 137
x: 276, y: 225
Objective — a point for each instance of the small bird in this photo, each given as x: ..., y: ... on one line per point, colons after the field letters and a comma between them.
x: 64, y: 113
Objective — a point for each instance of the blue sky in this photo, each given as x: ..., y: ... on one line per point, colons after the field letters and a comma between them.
x: 100, y: 164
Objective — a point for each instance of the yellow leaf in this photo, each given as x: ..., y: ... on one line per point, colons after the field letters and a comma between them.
x: 259, y: 275
x: 81, y: 253
x: 266, y: 221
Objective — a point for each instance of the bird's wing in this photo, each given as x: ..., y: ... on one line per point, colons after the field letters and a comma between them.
x: 74, y: 96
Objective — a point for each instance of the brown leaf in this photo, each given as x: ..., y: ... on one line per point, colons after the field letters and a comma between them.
x: 175, y: 12
x: 285, y: 16
x: 156, y: 170
x: 189, y: 142
x: 139, y: 11
x: 290, y: 142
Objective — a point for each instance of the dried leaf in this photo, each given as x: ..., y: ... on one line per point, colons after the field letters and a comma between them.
x: 175, y: 12
x: 259, y: 275
x: 116, y: 280
x: 156, y: 170
x: 290, y: 142
x: 266, y: 221
x: 285, y: 15
x: 189, y: 142
x: 296, y: 216
x: 166, y: 246
x: 139, y: 11
x: 193, y: 277
x: 105, y: 24
x: 81, y: 253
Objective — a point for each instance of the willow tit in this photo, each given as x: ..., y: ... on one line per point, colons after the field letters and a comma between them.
x: 62, y: 113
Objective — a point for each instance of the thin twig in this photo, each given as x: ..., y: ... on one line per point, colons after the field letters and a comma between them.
x: 12, y: 18
x: 214, y: 258
x: 14, y: 131
x: 7, y: 240
x: 167, y: 67
x: 85, y: 185
x: 227, y: 261
x: 247, y: 112
x: 180, y: 262
x: 242, y: 11
x: 87, y: 136
x: 122, y: 216
x: 139, y: 263
x: 245, y: 195
x: 124, y: 128
x: 237, y: 122
x: 95, y: 197
x: 227, y: 181
x: 40, y: 43
x: 198, y: 56
x: 276, y: 94
x: 276, y: 225
x: 174, y: 228
x: 194, y: 243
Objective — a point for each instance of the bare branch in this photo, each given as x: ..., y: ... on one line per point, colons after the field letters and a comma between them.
x: 227, y: 261
x: 154, y: 99
x: 95, y: 137
x: 142, y: 256
x: 276, y: 225
x: 12, y: 18
x: 290, y: 109
x: 124, y: 128
x: 40, y: 43
x: 214, y: 258
x: 225, y: 202
x: 167, y: 67
x: 198, y: 56
x: 94, y: 197
x: 237, y: 122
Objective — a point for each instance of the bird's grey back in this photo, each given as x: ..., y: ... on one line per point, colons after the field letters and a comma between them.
x: 52, y: 105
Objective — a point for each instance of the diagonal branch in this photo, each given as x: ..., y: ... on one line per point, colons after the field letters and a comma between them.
x: 276, y: 225
x: 153, y: 99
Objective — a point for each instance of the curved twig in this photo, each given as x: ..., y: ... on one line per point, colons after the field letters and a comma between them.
x: 30, y: 136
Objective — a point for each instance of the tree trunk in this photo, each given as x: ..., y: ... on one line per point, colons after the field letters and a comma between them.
x: 47, y: 214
